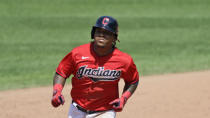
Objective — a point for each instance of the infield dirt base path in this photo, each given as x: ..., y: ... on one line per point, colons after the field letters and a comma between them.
x: 185, y: 95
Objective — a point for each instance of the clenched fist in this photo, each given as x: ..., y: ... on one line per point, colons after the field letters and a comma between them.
x: 57, y: 98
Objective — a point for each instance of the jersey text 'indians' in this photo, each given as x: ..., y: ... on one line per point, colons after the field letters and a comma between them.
x: 98, y: 74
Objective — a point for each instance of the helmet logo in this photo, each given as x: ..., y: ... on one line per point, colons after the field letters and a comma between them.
x: 105, y: 21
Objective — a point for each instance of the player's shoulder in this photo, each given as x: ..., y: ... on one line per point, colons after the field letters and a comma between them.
x: 123, y: 55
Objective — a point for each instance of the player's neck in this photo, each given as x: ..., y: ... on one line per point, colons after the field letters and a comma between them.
x: 102, y: 51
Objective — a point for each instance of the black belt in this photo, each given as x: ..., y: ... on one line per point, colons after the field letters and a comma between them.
x: 84, y: 110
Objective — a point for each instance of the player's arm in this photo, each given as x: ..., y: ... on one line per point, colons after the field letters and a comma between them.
x: 58, y: 84
x: 128, y: 90
x: 58, y: 80
x: 130, y: 87
x: 63, y: 71
x: 131, y: 79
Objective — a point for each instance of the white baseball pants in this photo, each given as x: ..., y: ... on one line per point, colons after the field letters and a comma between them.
x: 75, y: 113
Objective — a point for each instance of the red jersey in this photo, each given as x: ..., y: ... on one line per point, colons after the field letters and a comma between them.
x: 95, y: 78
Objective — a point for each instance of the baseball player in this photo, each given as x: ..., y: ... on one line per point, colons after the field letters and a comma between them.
x: 97, y: 68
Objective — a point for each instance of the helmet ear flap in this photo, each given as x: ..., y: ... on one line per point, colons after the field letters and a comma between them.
x: 92, y: 32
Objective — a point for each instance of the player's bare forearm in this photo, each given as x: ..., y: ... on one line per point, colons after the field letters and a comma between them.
x: 58, y: 84
x: 58, y: 79
x: 130, y: 87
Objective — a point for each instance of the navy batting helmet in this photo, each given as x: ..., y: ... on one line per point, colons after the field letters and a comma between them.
x: 107, y: 23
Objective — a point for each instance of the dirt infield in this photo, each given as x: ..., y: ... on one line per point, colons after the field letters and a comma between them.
x: 185, y: 95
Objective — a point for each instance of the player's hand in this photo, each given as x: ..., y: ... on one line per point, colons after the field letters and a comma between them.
x: 57, y: 99
x: 118, y: 104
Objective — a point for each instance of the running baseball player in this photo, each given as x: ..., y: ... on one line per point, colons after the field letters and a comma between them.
x: 97, y: 68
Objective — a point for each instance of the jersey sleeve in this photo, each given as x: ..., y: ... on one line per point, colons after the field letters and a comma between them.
x: 66, y: 66
x: 131, y: 74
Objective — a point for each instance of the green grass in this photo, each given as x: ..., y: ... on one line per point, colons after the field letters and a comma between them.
x: 163, y: 36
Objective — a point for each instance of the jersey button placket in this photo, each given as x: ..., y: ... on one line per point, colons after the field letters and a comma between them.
x: 97, y: 61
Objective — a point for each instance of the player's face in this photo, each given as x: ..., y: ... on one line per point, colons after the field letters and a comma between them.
x: 103, y: 38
